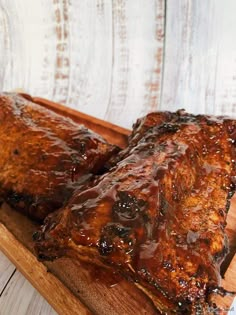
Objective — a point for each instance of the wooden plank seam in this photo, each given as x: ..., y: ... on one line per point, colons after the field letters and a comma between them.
x: 5, y: 286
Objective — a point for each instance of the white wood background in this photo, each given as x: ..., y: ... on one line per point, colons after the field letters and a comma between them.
x: 119, y: 59
x: 17, y: 296
x: 116, y: 60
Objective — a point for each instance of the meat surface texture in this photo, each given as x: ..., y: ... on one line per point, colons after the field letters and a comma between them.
x: 44, y: 156
x: 159, y: 215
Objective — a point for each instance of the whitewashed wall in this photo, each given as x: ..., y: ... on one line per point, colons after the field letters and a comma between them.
x: 119, y: 59
x: 200, y: 56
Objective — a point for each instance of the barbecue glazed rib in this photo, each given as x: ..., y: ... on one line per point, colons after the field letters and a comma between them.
x: 44, y: 156
x: 141, y: 126
x: 159, y: 215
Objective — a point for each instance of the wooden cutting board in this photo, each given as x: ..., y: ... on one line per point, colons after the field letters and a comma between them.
x: 72, y: 287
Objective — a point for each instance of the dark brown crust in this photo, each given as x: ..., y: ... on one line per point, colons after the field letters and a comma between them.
x: 159, y: 215
x: 44, y: 156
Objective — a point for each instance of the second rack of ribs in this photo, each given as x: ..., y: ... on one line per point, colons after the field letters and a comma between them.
x: 159, y: 214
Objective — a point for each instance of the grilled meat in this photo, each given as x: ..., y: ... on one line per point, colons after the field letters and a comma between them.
x: 159, y: 215
x: 148, y: 123
x: 44, y: 156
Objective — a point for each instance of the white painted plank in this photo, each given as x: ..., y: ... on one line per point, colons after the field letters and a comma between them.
x: 103, y: 57
x: 27, y: 44
x: 6, y: 270
x: 21, y: 298
x: 138, y: 28
x: 115, y: 58
x: 200, y: 56
x: 90, y: 41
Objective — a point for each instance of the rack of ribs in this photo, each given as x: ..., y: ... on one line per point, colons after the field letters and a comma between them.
x: 159, y: 214
x: 44, y: 156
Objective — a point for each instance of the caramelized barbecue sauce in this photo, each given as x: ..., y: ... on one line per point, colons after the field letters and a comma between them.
x: 120, y: 236
x: 142, y: 216
x: 45, y: 157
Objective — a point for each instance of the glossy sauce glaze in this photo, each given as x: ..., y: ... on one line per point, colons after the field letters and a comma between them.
x: 158, y: 216
x: 44, y: 156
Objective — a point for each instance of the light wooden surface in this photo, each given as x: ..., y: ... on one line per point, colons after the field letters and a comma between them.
x: 119, y: 59
x: 200, y: 56
x: 19, y: 297
x: 103, y: 57
x: 6, y: 271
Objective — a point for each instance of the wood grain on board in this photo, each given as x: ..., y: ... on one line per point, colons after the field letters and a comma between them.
x: 72, y: 287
